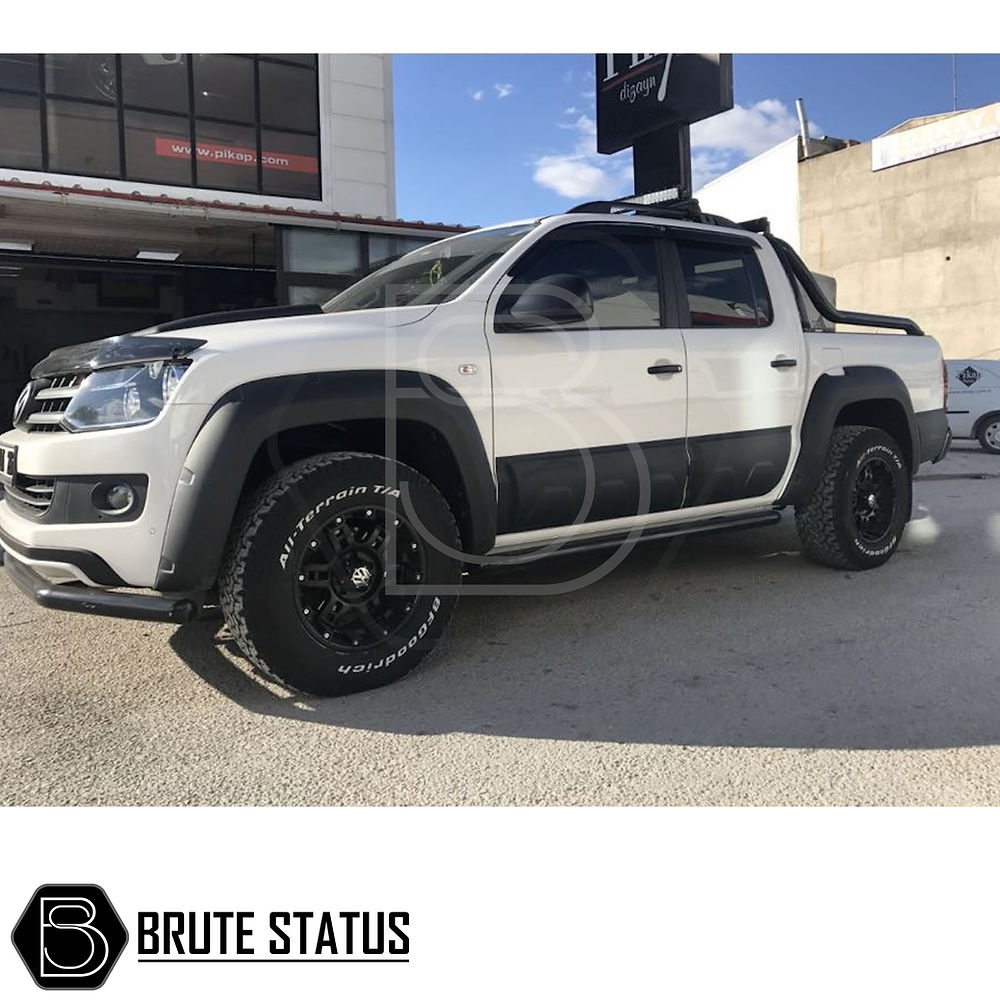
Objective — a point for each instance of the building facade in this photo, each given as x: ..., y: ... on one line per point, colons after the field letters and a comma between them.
x: 907, y: 224
x: 136, y: 189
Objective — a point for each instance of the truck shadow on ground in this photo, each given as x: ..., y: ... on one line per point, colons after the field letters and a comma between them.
x: 724, y: 640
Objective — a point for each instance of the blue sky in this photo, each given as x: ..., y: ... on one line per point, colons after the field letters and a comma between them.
x: 485, y: 138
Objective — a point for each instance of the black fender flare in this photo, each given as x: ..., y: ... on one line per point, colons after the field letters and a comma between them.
x: 830, y: 394
x: 215, y: 469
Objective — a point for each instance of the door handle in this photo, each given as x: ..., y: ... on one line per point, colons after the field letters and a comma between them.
x: 664, y: 369
x: 783, y: 362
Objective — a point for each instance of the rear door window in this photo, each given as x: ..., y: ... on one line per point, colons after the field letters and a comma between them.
x: 724, y: 285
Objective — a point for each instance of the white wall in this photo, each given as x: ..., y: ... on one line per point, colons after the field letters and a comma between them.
x: 358, y: 140
x: 766, y: 185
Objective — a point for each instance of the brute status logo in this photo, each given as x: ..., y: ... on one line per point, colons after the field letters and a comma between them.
x: 69, y: 937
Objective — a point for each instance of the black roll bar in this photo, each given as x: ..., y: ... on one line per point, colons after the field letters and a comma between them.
x: 795, y: 267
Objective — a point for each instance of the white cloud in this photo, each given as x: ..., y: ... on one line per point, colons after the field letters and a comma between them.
x: 476, y: 95
x: 582, y: 173
x: 718, y: 144
x: 503, y: 89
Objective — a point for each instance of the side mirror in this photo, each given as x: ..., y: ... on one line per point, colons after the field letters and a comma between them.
x: 555, y: 300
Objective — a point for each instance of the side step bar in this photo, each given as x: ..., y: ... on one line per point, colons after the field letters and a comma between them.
x: 759, y: 519
x: 93, y: 601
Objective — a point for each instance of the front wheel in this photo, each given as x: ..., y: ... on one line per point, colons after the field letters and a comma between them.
x: 330, y: 584
x: 989, y: 434
x: 856, y: 515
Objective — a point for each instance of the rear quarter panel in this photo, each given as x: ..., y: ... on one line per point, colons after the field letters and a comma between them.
x: 916, y: 360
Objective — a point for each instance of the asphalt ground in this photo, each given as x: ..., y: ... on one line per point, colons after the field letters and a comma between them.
x: 722, y: 669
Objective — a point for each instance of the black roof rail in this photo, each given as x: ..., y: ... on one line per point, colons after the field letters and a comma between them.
x: 686, y: 209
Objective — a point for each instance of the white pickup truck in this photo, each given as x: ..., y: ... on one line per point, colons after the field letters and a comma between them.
x: 327, y: 474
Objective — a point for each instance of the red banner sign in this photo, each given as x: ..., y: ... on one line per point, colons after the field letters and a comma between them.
x: 240, y: 156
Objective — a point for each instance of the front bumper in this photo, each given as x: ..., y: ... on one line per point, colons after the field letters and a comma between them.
x: 94, y: 601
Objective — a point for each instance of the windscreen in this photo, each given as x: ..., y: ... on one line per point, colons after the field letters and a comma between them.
x: 432, y: 274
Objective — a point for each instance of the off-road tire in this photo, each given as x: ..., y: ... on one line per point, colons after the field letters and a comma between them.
x: 989, y: 434
x: 287, y: 529
x: 828, y: 524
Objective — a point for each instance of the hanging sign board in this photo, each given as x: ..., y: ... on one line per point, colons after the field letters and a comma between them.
x: 640, y: 93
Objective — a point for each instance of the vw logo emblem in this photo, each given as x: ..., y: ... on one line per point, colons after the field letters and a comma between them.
x: 22, y: 402
x: 361, y: 577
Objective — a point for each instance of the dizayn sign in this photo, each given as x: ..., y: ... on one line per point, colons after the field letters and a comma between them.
x: 641, y: 93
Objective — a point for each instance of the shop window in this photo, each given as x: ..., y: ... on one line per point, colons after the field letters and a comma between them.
x: 300, y: 59
x: 92, y: 77
x: 156, y: 80
x: 21, y: 131
x: 308, y: 295
x: 290, y: 164
x: 82, y: 139
x: 383, y: 250
x: 157, y: 148
x: 287, y: 97
x: 19, y: 72
x: 317, y: 252
x: 226, y: 156
x: 725, y: 286
x: 223, y: 87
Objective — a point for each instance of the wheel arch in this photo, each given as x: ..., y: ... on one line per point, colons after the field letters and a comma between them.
x: 982, y: 421
x: 866, y: 395
x: 263, y: 425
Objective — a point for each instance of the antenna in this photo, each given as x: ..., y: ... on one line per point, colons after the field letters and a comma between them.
x: 954, y: 82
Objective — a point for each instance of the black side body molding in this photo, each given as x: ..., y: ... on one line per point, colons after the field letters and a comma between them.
x: 831, y: 393
x: 207, y: 495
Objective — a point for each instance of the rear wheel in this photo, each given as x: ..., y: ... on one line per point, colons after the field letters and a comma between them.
x: 330, y: 584
x: 856, y: 515
x: 989, y: 434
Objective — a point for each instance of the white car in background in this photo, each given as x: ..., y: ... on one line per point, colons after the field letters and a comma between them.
x: 974, y: 402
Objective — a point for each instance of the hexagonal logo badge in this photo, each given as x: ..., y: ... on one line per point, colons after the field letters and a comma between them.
x: 69, y: 937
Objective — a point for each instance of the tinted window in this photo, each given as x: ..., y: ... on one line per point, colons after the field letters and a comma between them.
x: 20, y: 131
x: 223, y: 87
x: 318, y: 251
x: 156, y: 80
x: 19, y: 72
x: 287, y: 97
x: 725, y: 286
x: 227, y: 156
x: 90, y: 76
x: 83, y: 139
x: 157, y: 148
x: 385, y: 249
x: 621, y: 271
x: 291, y: 163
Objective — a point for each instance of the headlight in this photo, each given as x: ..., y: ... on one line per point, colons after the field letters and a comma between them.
x: 123, y: 397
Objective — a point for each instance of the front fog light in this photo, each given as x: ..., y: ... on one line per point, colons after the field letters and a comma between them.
x: 118, y: 498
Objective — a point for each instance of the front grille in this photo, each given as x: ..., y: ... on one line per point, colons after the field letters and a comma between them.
x: 48, y: 400
x: 28, y: 495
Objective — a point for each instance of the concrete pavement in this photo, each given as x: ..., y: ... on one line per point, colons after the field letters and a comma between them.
x: 719, y: 670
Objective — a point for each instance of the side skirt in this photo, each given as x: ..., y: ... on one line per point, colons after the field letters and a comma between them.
x: 759, y: 519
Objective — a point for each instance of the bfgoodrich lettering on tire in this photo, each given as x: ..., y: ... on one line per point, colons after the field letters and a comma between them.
x: 856, y: 516
x: 328, y: 585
